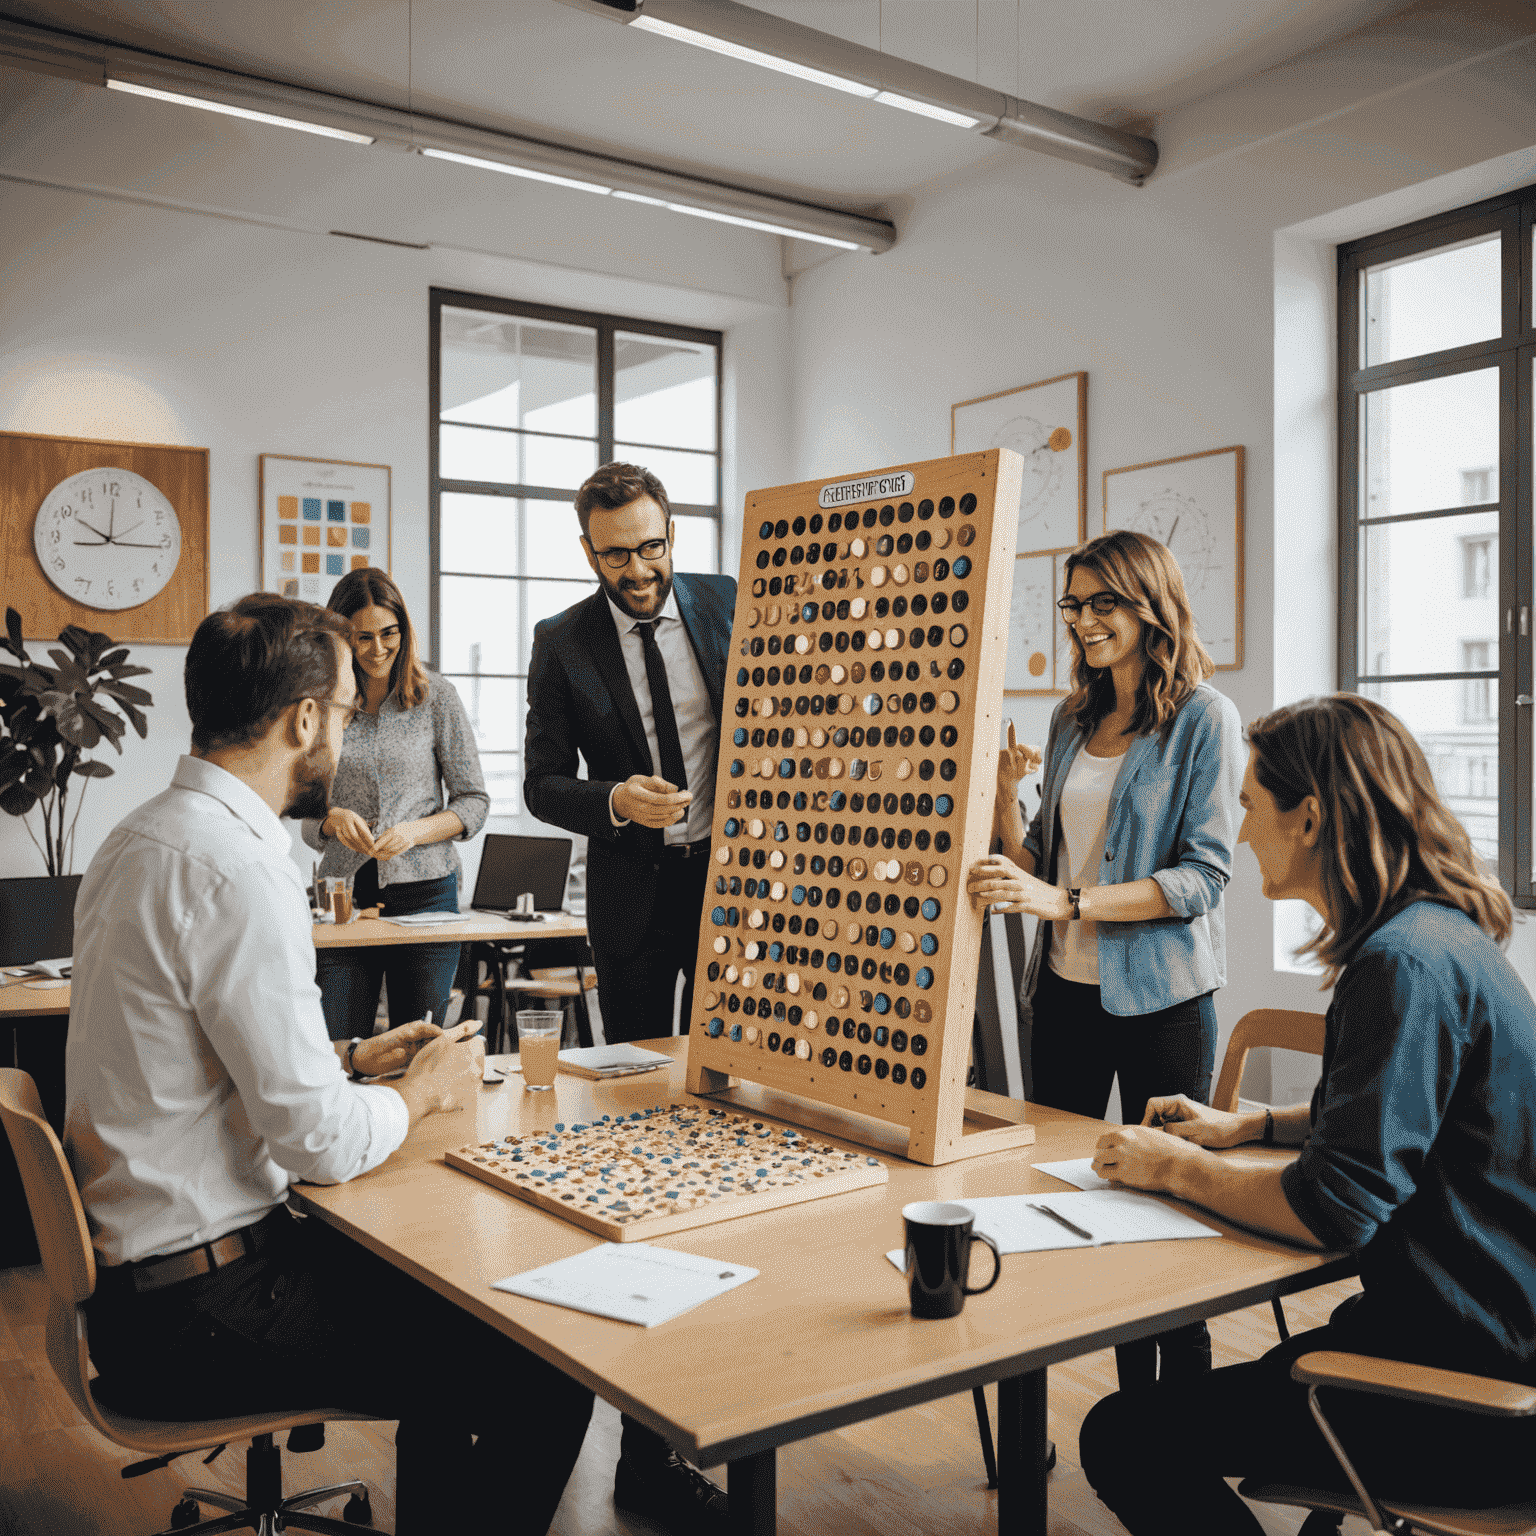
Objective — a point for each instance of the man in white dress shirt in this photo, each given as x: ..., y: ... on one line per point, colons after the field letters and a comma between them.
x: 201, y: 1084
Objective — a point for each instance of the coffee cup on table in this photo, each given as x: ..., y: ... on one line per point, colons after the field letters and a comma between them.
x: 938, y: 1252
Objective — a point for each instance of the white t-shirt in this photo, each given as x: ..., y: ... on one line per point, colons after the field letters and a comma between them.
x: 1084, y: 815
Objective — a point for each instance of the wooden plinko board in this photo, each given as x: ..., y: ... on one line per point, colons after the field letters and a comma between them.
x: 838, y: 954
x: 633, y: 1177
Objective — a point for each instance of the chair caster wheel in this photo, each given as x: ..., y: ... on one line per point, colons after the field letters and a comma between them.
x: 358, y: 1511
x: 186, y: 1513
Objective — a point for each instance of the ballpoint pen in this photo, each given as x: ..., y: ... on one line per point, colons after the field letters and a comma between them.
x: 1056, y: 1216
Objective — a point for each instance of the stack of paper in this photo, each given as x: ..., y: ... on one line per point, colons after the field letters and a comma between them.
x: 611, y: 1060
x: 424, y: 919
x: 632, y: 1282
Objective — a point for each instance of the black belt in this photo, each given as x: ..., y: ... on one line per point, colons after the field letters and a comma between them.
x: 687, y: 850
x: 172, y: 1268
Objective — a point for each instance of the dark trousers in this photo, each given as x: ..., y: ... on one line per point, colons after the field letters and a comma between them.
x: 420, y: 976
x: 313, y: 1318
x: 635, y: 989
x: 1076, y: 1052
x: 1156, y: 1455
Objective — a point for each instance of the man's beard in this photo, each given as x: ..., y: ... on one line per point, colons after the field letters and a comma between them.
x: 615, y: 590
x: 309, y: 792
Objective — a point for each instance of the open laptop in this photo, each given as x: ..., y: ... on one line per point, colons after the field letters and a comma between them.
x: 509, y: 866
x: 37, y: 919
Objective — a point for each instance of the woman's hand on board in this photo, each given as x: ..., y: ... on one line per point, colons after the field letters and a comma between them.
x: 350, y: 830
x: 1015, y: 763
x: 998, y: 882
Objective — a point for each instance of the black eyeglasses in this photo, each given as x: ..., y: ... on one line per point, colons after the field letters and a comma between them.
x: 351, y: 711
x: 1102, y: 603
x: 618, y: 557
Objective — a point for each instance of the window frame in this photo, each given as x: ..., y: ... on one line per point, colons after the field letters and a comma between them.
x: 1513, y: 352
x: 607, y: 327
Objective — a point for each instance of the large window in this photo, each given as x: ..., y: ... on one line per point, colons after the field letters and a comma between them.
x: 1436, y: 358
x: 526, y: 402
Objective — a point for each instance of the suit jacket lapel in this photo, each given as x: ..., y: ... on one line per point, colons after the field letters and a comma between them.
x: 705, y: 639
x: 603, y: 641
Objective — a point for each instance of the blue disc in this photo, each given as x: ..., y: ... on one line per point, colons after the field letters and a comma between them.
x: 786, y: 768
x: 882, y: 1003
x: 929, y: 944
x: 797, y: 895
x: 735, y: 1031
x: 962, y: 566
x: 716, y: 1028
x: 737, y: 767
x: 943, y: 805
x: 887, y: 937
x: 809, y: 612
x: 732, y: 917
x: 838, y: 800
x: 717, y: 917
x: 931, y: 908
x: 732, y: 826
x: 924, y: 978
x: 776, y: 951
x: 740, y: 736
x: 741, y: 677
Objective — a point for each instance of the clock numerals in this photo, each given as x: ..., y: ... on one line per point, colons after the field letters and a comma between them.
x: 85, y: 495
x: 82, y: 586
x: 138, y: 586
x: 58, y: 562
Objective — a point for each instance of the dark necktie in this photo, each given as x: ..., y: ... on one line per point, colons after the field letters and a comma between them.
x: 667, y: 739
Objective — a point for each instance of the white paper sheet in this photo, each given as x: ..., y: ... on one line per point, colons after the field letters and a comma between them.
x: 1111, y: 1215
x: 1078, y: 1172
x: 615, y: 1060
x: 632, y: 1282
x: 425, y: 919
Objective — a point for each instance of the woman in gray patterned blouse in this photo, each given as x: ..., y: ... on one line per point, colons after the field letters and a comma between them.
x: 408, y: 784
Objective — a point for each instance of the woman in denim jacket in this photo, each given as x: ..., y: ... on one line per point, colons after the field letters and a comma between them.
x: 1125, y: 861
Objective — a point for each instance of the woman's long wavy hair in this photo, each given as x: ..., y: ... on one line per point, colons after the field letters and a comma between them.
x: 371, y: 588
x: 1386, y: 838
x: 1142, y: 572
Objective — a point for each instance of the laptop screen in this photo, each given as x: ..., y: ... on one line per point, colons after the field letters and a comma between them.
x: 511, y: 865
x: 37, y: 919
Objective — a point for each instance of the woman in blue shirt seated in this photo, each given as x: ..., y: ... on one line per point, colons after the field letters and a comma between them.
x: 1416, y: 1155
x: 407, y: 786
x: 1132, y: 845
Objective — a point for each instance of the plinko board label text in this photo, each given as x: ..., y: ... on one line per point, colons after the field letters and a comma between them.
x: 844, y: 492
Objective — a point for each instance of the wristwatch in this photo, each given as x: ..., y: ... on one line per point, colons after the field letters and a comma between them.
x: 352, y: 1046
x: 1075, y: 896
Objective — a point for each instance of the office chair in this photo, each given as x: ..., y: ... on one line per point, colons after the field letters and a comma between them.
x: 70, y: 1266
x: 1418, y: 1384
x: 1287, y: 1028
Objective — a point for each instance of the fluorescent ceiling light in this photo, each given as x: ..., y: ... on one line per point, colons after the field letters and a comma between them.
x: 771, y: 229
x: 752, y: 56
x: 939, y: 114
x: 322, y: 129
x: 639, y: 197
x: 517, y: 170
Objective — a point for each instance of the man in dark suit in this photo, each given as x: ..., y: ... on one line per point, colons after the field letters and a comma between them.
x: 632, y: 681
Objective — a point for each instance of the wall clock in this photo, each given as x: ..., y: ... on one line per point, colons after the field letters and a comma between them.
x: 161, y: 493
x: 107, y: 538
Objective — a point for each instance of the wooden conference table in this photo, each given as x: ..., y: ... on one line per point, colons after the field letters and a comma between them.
x: 823, y: 1337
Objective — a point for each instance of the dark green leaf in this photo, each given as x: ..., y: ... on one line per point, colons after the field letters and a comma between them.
x: 12, y: 766
x: 125, y: 691
x: 111, y: 724
x: 39, y: 781
x: 16, y: 800
x: 77, y: 639
x: 70, y: 675
x: 121, y: 671
x: 113, y: 658
x: 91, y: 769
x: 140, y: 724
x: 13, y: 634
x: 96, y: 643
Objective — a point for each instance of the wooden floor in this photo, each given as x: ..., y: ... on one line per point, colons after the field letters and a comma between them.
x: 915, y: 1471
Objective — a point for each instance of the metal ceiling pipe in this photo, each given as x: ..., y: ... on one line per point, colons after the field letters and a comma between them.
x: 91, y: 62
x: 1023, y: 124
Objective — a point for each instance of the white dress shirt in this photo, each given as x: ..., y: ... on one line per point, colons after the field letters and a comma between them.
x: 697, y: 728
x: 199, y: 1079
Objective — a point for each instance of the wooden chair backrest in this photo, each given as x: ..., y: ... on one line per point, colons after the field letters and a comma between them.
x: 57, y: 1214
x: 1288, y: 1028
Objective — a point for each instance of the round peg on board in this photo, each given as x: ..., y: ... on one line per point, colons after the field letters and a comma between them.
x: 803, y: 1049
x: 941, y: 539
x: 754, y: 618
x: 732, y: 975
x: 857, y: 869
x: 835, y: 768
x: 755, y: 918
x: 937, y: 875
x: 900, y: 575
x: 904, y: 768
x: 802, y: 644
x: 876, y: 767
x: 776, y: 859
x: 818, y: 737
x: 922, y: 1011
x: 721, y: 945
x: 893, y: 639
x: 841, y: 1000
x: 777, y: 891
x: 893, y: 871
x: 751, y: 1034
x: 749, y: 977
x: 845, y: 703
x: 812, y: 1019
x: 751, y: 951
x: 857, y: 549
x: 914, y: 872
x: 906, y: 942
x: 792, y: 982
x: 875, y: 640
x: 711, y: 999
x: 773, y: 614
x: 756, y: 826
x: 878, y: 869
x: 878, y: 575
x: 802, y: 737
x: 839, y: 673
x: 949, y: 701
x: 722, y: 855
x: 857, y: 608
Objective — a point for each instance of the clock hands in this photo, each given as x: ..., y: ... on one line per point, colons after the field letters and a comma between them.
x: 121, y: 544
x: 105, y: 538
x: 1174, y: 529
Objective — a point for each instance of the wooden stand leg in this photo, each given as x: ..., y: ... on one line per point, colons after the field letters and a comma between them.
x: 751, y: 1484
x: 1021, y: 1437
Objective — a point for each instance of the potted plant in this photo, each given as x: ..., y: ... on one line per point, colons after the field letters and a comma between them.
x: 50, y: 717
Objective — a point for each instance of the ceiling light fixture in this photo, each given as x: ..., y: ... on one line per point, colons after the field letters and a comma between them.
x: 769, y: 229
x: 752, y: 56
x: 324, y: 131
x: 925, y: 109
x: 516, y: 170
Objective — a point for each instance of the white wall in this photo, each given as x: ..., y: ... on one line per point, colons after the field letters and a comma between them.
x: 1173, y: 296
x: 129, y: 310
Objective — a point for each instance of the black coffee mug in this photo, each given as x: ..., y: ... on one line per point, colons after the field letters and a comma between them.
x: 939, y: 1239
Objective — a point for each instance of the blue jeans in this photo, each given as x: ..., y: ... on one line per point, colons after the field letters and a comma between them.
x: 1076, y: 1052
x: 420, y: 976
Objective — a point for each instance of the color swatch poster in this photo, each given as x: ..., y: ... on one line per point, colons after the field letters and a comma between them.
x: 319, y: 520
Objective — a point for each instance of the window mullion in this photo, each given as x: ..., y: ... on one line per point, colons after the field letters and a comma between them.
x: 1517, y: 759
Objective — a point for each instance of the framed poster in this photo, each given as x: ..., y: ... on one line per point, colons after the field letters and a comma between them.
x: 1047, y: 424
x: 1039, y: 648
x: 320, y: 518
x: 1194, y: 505
x: 110, y: 536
